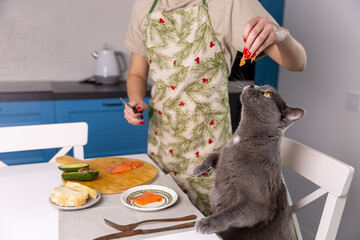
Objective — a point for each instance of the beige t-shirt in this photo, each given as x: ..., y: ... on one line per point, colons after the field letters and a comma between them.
x: 227, y: 17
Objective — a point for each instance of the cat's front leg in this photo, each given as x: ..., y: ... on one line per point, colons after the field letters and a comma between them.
x: 209, y: 162
x: 210, y: 225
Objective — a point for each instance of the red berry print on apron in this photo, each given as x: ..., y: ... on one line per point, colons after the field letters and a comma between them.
x: 174, y: 62
x: 181, y: 104
x: 172, y: 87
x: 197, y: 60
x: 211, y: 44
x: 171, y: 151
x: 210, y: 141
x: 212, y: 122
x: 205, y: 80
x: 161, y: 20
x: 197, y: 153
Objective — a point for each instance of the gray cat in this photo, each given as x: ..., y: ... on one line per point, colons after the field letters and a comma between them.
x: 248, y: 198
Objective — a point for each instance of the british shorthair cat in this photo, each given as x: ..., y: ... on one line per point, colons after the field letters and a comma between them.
x: 249, y: 199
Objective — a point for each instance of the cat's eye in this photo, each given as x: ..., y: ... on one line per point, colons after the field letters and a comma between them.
x: 267, y: 94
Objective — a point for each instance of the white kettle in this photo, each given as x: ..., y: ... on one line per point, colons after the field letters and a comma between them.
x: 107, y: 68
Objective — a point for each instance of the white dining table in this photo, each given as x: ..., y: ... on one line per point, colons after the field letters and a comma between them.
x: 25, y: 211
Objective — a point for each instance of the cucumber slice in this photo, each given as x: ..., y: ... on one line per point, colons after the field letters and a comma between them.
x: 73, y: 167
x: 80, y: 176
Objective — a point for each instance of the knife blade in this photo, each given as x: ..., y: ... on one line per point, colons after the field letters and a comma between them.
x: 145, y: 231
x: 132, y: 107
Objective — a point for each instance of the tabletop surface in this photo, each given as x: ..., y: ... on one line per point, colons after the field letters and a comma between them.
x: 25, y: 209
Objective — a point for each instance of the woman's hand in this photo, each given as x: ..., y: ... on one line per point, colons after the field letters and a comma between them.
x: 259, y: 33
x: 132, y: 117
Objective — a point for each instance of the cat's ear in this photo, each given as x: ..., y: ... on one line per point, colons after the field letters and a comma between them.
x: 293, y: 114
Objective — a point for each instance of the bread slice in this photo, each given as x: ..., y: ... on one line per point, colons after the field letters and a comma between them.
x: 82, y: 188
x: 66, y: 197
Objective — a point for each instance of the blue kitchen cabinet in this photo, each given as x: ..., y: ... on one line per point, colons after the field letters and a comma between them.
x: 109, y: 132
x: 26, y: 113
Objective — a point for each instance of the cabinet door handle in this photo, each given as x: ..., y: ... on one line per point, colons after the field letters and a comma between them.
x: 112, y: 104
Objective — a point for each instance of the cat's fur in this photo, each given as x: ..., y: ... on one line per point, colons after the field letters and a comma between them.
x: 248, y: 198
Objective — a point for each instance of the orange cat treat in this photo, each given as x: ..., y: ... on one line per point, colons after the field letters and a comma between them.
x: 242, y: 61
x: 146, y: 198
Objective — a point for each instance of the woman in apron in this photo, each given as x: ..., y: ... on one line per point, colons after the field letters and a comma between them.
x: 189, y: 114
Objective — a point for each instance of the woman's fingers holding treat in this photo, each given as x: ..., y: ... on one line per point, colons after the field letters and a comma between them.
x: 259, y: 33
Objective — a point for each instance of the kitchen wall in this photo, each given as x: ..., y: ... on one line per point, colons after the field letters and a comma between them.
x: 54, y: 39
x: 330, y: 33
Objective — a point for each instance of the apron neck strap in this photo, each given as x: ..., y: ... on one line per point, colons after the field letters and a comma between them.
x: 153, y: 6
x: 155, y: 2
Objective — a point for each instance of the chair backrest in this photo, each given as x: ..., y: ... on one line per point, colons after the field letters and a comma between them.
x: 331, y: 175
x: 45, y: 136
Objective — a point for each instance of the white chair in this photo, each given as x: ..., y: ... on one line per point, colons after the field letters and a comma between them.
x: 331, y: 175
x: 45, y: 136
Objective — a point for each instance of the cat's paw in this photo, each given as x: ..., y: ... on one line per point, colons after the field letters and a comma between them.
x: 208, y: 225
x: 201, y: 170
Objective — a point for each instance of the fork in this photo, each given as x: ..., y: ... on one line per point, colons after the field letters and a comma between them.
x: 131, y: 226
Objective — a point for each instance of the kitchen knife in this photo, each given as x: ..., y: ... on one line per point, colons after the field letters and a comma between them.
x: 146, y: 231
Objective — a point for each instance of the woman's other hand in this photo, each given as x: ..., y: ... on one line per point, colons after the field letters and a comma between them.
x: 133, y: 118
x: 259, y: 33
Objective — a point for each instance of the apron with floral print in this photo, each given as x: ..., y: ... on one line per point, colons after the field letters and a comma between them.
x: 189, y: 108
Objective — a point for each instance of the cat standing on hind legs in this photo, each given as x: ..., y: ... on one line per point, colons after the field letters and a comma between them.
x: 248, y: 198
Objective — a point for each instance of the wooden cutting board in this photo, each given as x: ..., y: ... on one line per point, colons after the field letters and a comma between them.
x: 107, y: 183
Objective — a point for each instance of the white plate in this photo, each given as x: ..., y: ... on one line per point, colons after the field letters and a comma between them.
x: 89, y: 203
x: 169, y: 197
